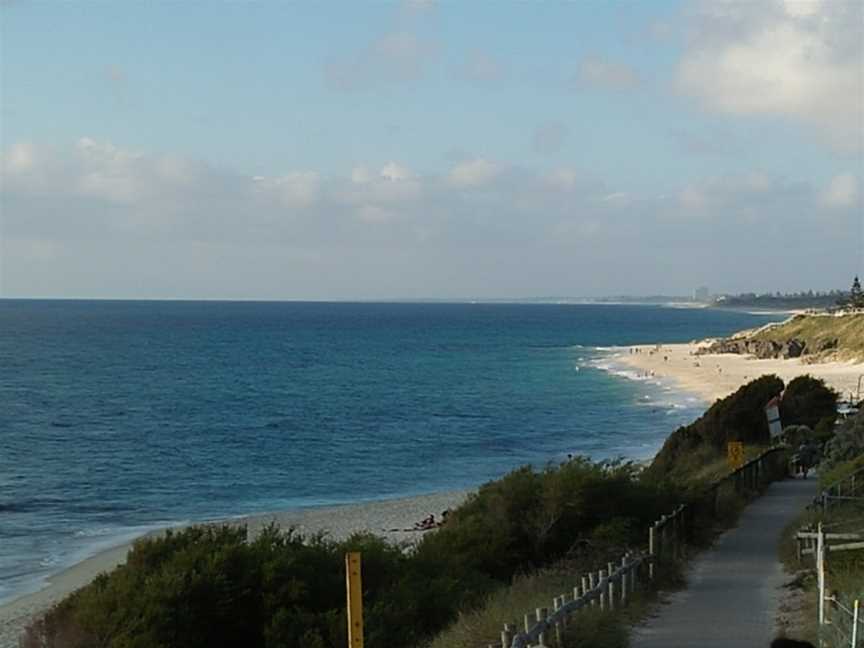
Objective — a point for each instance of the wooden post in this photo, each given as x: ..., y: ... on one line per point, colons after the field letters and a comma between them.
x: 611, y: 569
x: 676, y: 530
x: 661, y: 541
x: 820, y: 573
x: 854, y: 642
x: 624, y: 576
x: 527, y: 622
x: 354, y: 589
x: 602, y: 590
x: 557, y: 604
x: 592, y: 583
x: 507, y: 636
x: 652, y: 532
x: 542, y: 615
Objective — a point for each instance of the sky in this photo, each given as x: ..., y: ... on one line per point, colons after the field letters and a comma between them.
x: 429, y: 148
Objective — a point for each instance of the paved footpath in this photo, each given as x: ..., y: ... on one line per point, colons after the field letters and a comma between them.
x: 733, y: 589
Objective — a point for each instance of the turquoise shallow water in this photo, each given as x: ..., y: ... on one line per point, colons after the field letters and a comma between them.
x: 117, y: 417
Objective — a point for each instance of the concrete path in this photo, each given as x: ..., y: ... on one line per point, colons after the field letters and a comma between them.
x: 733, y: 589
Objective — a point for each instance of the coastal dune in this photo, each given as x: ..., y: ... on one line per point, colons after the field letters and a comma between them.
x: 393, y: 520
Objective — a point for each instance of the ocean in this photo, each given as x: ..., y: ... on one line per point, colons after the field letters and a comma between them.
x: 118, y: 417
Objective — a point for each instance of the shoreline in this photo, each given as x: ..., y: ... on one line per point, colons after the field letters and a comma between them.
x: 392, y: 519
x: 715, y: 376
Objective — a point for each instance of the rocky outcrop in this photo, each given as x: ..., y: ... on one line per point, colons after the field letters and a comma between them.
x: 763, y: 349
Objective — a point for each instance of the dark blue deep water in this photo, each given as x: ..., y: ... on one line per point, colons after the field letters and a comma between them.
x: 116, y: 417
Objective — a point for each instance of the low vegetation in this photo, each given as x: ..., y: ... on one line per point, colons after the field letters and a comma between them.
x: 210, y: 586
x: 696, y: 453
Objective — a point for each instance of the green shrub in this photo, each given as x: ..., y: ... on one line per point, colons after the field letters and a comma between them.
x: 846, y: 445
x: 808, y: 401
x: 738, y: 417
x: 208, y: 586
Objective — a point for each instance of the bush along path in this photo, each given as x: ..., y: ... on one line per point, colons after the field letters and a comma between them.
x: 733, y: 589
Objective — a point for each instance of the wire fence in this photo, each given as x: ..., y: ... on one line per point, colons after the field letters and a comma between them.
x: 844, y: 627
x: 841, y: 622
x: 848, y: 489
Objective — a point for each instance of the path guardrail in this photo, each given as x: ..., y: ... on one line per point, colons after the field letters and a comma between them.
x: 614, y: 586
x: 849, y: 488
x: 840, y: 623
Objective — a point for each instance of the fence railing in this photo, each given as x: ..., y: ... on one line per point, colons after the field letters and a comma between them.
x: 614, y: 586
x: 605, y: 589
x: 840, y: 623
x: 672, y: 533
x: 849, y: 488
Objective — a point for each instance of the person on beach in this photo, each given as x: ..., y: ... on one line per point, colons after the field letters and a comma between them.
x: 426, y: 523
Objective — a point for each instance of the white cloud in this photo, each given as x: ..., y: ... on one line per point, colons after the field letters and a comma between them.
x: 801, y: 59
x: 607, y: 75
x: 361, y: 175
x: 97, y: 219
x: 20, y: 158
x: 842, y: 191
x: 473, y: 173
x: 392, y: 171
x: 297, y: 190
x: 562, y: 179
x: 399, y: 57
x: 375, y: 215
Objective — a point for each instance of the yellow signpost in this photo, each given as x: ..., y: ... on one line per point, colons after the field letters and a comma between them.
x: 354, y: 586
x: 735, y: 454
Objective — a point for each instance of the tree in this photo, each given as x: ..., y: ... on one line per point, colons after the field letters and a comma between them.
x: 806, y: 401
x: 856, y: 296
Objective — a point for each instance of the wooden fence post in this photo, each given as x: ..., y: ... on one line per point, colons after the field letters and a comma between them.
x: 624, y: 575
x: 592, y: 583
x: 557, y: 604
x: 611, y: 569
x: 820, y: 573
x: 542, y: 615
x: 602, y: 590
x: 652, y: 549
x: 507, y: 636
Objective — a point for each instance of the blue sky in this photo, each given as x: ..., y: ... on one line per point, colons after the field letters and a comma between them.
x: 373, y: 140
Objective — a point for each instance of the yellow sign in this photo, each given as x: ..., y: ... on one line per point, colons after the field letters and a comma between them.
x: 735, y: 454
x: 354, y: 586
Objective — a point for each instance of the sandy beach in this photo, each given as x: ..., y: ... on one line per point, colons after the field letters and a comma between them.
x: 714, y: 376
x: 391, y: 519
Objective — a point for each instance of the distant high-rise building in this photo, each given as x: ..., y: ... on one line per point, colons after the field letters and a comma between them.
x: 701, y: 294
